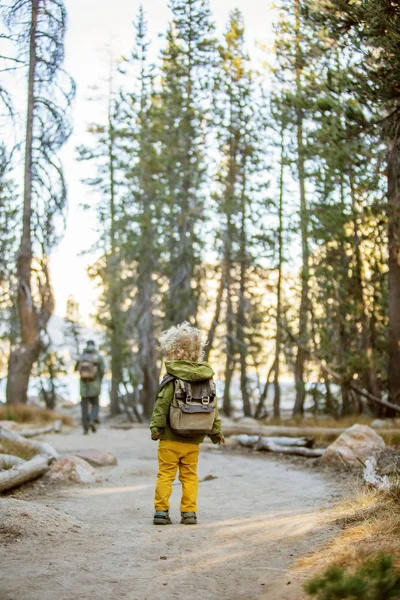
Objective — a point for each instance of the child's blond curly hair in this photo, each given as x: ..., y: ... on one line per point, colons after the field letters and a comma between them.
x: 183, y: 342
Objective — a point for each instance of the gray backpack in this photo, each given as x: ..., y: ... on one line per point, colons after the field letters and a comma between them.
x: 192, y: 410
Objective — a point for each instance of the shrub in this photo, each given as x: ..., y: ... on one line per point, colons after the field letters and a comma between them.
x: 376, y: 579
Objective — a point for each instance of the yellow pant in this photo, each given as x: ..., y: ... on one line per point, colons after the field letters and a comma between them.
x: 172, y: 455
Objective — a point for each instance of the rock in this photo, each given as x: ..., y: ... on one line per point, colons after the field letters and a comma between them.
x: 72, y: 468
x: 356, y: 443
x: 97, y: 458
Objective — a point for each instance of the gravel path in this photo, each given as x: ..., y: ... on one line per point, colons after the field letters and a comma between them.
x: 257, y: 516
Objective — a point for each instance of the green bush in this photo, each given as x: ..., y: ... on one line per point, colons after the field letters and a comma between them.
x: 377, y: 579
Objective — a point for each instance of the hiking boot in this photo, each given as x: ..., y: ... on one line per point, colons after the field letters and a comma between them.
x: 161, y: 517
x: 93, y: 427
x: 189, y: 518
x: 85, y: 431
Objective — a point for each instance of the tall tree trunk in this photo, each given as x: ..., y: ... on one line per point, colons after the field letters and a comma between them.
x: 304, y: 301
x: 242, y: 345
x: 22, y: 357
x: 114, y: 267
x: 371, y: 377
x: 278, y: 339
x: 216, y: 316
x: 393, y: 174
x: 147, y: 356
x: 230, y: 359
x: 241, y: 312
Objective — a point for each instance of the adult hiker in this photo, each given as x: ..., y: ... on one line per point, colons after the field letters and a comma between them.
x: 91, y: 369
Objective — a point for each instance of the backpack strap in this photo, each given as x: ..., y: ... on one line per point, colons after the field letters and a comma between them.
x: 166, y: 379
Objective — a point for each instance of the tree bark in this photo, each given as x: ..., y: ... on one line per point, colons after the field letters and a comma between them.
x: 241, y: 313
x: 304, y: 301
x: 27, y: 471
x: 261, y: 403
x: 269, y: 446
x: 278, y: 339
x: 53, y: 428
x: 371, y: 376
x: 14, y: 443
x: 230, y: 359
x: 393, y: 175
x: 22, y: 357
x: 113, y: 266
x: 216, y: 317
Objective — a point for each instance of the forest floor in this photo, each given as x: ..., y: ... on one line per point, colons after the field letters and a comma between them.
x: 258, y: 516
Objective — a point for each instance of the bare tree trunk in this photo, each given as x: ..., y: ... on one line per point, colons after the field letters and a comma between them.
x: 394, y: 272
x: 229, y: 361
x: 147, y: 350
x: 278, y: 339
x: 241, y: 315
x: 113, y: 266
x: 215, y: 321
x: 304, y: 302
x: 22, y: 357
x: 371, y: 375
x: 261, y: 403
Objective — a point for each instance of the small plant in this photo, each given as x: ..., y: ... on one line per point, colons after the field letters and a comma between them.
x: 376, y: 579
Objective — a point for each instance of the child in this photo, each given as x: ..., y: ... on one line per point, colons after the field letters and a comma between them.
x: 185, y: 411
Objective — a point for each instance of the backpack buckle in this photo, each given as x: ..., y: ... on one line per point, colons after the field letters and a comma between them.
x: 189, y: 399
x: 205, y: 400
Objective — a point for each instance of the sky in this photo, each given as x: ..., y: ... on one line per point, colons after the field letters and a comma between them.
x: 94, y: 25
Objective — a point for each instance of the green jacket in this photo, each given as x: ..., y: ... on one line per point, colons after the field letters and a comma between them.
x: 91, y: 389
x: 189, y: 371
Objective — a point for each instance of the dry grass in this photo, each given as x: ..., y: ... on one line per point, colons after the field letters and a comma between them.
x: 21, y: 413
x: 371, y: 525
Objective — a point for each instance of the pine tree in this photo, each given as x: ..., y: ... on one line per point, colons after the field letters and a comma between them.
x: 39, y: 28
x: 240, y: 118
x: 373, y: 29
x: 293, y: 71
x: 142, y: 165
x: 187, y: 63
x: 105, y: 155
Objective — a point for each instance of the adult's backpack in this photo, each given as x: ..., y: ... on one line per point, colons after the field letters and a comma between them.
x: 192, y: 410
x: 88, y: 366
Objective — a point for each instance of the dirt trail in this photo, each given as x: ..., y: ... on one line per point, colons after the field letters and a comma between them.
x: 257, y: 516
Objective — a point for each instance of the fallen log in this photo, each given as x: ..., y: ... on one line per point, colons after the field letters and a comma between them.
x: 250, y: 440
x: 266, y: 444
x: 290, y: 431
x: 305, y: 442
x: 8, y: 461
x: 53, y: 428
x: 371, y: 476
x: 29, y: 470
x: 14, y: 443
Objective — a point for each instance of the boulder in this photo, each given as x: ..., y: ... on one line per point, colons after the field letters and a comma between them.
x: 356, y: 443
x: 97, y: 458
x: 72, y: 469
